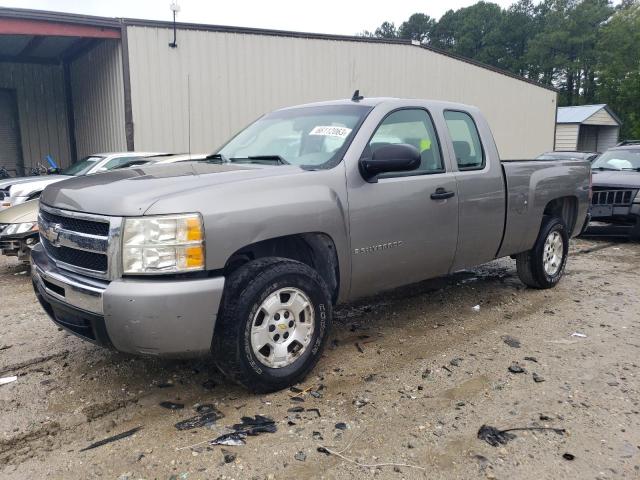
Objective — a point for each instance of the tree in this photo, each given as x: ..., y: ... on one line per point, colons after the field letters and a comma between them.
x: 618, y: 66
x: 417, y: 27
x: 386, y: 30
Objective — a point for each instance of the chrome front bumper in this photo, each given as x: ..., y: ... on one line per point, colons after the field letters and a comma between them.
x: 142, y: 316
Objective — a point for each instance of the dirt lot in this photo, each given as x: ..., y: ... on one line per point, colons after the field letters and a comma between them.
x: 413, y: 374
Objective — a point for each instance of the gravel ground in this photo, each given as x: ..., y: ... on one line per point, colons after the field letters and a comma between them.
x: 413, y: 374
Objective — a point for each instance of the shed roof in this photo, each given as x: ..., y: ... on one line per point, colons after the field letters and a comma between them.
x: 582, y: 113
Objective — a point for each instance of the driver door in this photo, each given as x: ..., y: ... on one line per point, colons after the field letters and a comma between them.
x: 403, y: 225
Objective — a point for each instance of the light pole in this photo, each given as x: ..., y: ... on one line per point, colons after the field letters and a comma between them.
x: 175, y: 8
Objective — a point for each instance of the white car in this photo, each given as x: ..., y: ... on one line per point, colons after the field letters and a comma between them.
x: 22, y: 191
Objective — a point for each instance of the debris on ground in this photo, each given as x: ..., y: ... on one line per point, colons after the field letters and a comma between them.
x: 315, y: 410
x: 205, y: 408
x: 579, y: 335
x: 511, y: 341
x: 229, y: 457
x: 172, y: 405
x: 114, y: 438
x: 359, y: 347
x: 300, y: 456
x: 205, y: 419
x: 476, y: 308
x: 531, y: 359
x: 255, y: 425
x: 516, y: 368
x: 455, y: 362
x: 229, y: 439
x: 361, y: 402
x: 295, y: 410
x: 494, y: 436
x: 568, y: 456
x: 537, y: 378
x: 5, y: 380
x: 341, y: 426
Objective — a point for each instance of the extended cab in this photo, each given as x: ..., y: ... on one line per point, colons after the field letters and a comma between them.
x: 243, y: 254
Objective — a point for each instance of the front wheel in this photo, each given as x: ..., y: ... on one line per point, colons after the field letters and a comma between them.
x: 273, y: 324
x: 543, y: 265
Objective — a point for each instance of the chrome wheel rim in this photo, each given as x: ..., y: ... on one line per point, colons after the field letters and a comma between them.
x: 282, y: 327
x: 553, y: 253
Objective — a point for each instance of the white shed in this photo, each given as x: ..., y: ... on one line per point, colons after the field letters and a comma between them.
x: 587, y: 128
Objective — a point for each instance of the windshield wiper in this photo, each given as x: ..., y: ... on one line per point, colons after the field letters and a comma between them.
x: 605, y: 168
x: 217, y: 156
x: 268, y: 158
x: 631, y: 169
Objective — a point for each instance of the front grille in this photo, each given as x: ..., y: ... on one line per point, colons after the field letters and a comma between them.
x: 77, y: 225
x: 616, y: 197
x: 77, y: 258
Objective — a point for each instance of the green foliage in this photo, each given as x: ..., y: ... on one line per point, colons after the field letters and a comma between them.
x: 587, y: 49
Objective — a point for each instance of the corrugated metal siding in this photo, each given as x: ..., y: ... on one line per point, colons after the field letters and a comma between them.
x: 601, y: 117
x: 98, y: 100
x: 607, y: 138
x: 588, y: 138
x: 567, y: 137
x: 235, y: 77
x: 41, y: 111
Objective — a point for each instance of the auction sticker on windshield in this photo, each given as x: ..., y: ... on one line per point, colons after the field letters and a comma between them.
x: 330, y: 131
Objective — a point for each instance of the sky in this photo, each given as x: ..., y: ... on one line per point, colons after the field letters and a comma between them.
x: 346, y: 17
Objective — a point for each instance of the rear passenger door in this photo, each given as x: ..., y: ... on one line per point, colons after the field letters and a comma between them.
x: 403, y: 227
x: 481, y: 189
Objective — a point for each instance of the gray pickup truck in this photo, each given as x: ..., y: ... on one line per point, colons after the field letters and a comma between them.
x: 243, y: 254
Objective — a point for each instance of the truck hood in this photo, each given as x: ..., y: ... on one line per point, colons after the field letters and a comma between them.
x: 36, y: 184
x: 133, y: 191
x: 25, y: 212
x: 623, y: 179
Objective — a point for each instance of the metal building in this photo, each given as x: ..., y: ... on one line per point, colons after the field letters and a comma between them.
x: 586, y: 128
x: 72, y: 85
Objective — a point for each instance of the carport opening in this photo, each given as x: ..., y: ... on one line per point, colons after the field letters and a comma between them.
x: 37, y: 108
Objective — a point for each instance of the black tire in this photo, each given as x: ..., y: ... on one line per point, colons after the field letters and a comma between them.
x: 245, y: 291
x: 530, y: 265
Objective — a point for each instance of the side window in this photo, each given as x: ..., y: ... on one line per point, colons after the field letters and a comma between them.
x: 466, y: 141
x: 413, y: 127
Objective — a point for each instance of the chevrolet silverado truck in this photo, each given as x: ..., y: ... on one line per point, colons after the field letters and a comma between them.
x: 243, y: 254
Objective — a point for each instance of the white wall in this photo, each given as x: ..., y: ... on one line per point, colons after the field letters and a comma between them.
x: 235, y: 77
x: 98, y: 100
x: 567, y: 137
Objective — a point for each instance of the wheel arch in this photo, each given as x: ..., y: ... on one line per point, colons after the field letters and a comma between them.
x: 565, y: 208
x: 315, y: 249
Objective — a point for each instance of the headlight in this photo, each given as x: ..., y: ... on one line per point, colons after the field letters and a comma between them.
x: 17, y: 228
x: 166, y: 244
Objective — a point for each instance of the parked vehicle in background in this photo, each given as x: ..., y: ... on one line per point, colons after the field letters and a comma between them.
x: 165, y: 158
x: 243, y: 255
x: 19, y: 230
x: 589, y: 156
x: 616, y: 188
x: 20, y: 192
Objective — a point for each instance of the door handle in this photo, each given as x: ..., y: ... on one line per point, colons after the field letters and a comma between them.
x: 442, y: 194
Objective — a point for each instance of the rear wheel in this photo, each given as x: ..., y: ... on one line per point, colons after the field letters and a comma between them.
x: 273, y: 324
x: 543, y: 265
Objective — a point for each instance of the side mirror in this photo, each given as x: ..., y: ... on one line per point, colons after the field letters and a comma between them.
x: 399, y: 157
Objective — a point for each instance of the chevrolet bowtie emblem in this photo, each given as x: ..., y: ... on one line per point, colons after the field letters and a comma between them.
x: 52, y: 233
x: 282, y: 326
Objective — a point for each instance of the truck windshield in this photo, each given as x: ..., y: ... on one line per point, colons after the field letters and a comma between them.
x: 618, y: 160
x: 314, y: 137
x: 81, y: 167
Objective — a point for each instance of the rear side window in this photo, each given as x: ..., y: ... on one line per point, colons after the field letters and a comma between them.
x: 466, y: 140
x: 413, y: 127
